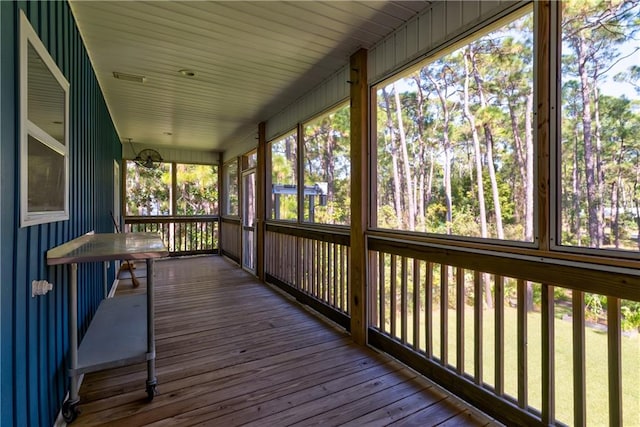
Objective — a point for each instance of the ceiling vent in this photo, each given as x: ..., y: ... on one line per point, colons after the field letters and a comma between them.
x: 129, y: 77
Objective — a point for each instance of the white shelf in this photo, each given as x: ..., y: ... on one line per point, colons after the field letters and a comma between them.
x: 117, y: 335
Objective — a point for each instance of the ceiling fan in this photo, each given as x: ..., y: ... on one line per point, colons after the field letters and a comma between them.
x: 147, y: 158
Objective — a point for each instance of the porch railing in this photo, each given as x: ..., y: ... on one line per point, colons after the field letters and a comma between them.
x: 183, y: 235
x: 312, y: 265
x: 527, y: 340
x: 231, y: 238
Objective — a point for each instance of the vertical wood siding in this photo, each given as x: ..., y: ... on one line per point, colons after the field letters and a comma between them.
x: 33, y: 331
x: 428, y: 31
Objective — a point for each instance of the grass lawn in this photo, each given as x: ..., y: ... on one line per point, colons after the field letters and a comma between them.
x: 596, y: 362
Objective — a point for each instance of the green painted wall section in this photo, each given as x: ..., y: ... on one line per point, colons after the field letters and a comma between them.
x: 33, y: 331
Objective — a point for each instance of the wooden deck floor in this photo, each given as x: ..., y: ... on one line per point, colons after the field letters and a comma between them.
x: 232, y: 351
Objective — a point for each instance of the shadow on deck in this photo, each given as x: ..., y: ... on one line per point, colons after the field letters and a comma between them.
x: 232, y: 351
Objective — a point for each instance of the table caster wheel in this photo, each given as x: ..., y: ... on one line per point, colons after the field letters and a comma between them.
x: 70, y: 411
x: 152, y: 391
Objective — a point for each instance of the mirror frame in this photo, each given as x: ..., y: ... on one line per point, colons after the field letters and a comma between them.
x: 28, y: 36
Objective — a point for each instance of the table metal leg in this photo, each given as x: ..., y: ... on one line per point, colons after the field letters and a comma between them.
x: 105, y: 270
x: 151, y: 336
x: 69, y: 408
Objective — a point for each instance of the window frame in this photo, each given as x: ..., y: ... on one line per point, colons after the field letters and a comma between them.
x: 345, y: 103
x: 462, y: 40
x: 555, y: 154
x: 269, y: 175
x: 29, y: 38
x: 226, y: 197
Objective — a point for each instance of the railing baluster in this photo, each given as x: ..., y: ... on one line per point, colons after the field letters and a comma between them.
x: 416, y: 303
x: 310, y: 266
x: 459, y: 320
x: 498, y: 304
x: 320, y: 270
x: 303, y: 264
x: 372, y: 290
x: 382, y: 290
x: 315, y: 267
x: 579, y: 365
x: 327, y: 269
x: 348, y: 302
x: 343, y: 305
x: 548, y: 371
x: 404, y: 311
x: 206, y: 230
x: 300, y: 263
x: 478, y: 306
x: 523, y: 379
x: 614, y: 342
x: 336, y: 272
x: 428, y: 310
x: 295, y: 255
x: 393, y: 277
x: 444, y: 314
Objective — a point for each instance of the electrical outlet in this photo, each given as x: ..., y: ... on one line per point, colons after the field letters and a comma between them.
x: 40, y: 287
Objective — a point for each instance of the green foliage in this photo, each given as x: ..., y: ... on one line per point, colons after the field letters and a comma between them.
x: 197, y: 189
x: 630, y: 315
x: 147, y: 190
x: 231, y: 202
x: 440, y: 167
x: 593, y: 304
x: 327, y: 163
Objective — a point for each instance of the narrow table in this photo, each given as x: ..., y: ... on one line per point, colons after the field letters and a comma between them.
x: 118, y: 334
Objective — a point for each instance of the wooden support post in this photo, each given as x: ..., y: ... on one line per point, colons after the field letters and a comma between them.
x: 359, y: 194
x: 543, y: 113
x: 261, y: 199
x: 174, y: 189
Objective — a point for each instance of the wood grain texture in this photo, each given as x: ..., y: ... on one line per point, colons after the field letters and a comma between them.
x: 232, y: 351
x: 359, y: 194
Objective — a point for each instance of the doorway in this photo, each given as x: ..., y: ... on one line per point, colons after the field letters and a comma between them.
x: 249, y: 247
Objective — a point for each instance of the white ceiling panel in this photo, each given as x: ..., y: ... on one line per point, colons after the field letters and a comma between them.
x: 250, y: 58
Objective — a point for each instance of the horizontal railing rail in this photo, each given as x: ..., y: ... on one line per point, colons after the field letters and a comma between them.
x: 312, y: 265
x: 529, y: 341
x: 183, y: 235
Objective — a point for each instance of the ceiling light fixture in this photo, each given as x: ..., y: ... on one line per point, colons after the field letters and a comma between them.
x: 129, y: 77
x: 188, y: 73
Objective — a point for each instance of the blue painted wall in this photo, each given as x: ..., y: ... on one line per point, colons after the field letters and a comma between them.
x: 33, y: 331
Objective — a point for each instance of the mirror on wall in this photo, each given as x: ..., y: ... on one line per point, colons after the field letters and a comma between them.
x: 44, y: 139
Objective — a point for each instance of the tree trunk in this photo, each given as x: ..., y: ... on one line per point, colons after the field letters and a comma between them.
x: 405, y: 160
x: 577, y: 192
x: 476, y: 147
x: 521, y: 161
x: 430, y: 178
x: 590, y: 167
x: 394, y: 161
x: 489, y: 143
x: 330, y: 168
x: 447, y: 151
x: 529, y: 186
x: 599, y: 169
x: 615, y: 197
x: 422, y: 163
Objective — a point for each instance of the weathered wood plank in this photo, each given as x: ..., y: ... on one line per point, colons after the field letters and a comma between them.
x: 247, y: 354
